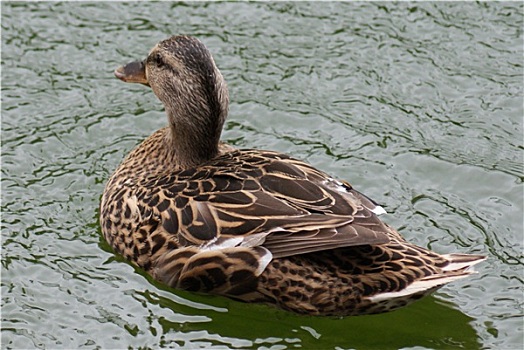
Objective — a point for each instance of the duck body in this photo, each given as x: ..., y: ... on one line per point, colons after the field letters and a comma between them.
x: 253, y: 225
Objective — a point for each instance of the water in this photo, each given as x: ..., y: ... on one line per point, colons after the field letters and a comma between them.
x: 419, y: 105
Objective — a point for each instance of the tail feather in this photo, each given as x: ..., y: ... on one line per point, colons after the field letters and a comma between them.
x: 461, y: 261
x: 459, y: 267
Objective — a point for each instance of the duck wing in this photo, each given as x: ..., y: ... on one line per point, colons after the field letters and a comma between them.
x: 256, y: 198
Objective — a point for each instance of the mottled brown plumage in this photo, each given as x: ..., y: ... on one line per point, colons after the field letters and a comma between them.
x: 253, y: 225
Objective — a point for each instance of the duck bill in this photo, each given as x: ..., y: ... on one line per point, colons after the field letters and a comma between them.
x: 134, y: 72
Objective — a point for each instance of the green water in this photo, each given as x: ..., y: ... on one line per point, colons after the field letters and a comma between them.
x: 419, y: 105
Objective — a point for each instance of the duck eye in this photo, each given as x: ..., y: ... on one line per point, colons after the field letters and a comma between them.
x: 157, y: 59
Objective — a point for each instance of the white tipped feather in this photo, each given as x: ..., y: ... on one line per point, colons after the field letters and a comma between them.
x: 461, y: 261
x: 217, y: 244
x: 336, y: 185
x: 418, y: 287
x: 378, y: 210
x: 256, y: 239
x: 459, y: 267
x: 340, y: 187
x: 263, y: 262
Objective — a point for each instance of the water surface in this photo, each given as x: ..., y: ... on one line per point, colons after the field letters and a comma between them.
x: 419, y: 105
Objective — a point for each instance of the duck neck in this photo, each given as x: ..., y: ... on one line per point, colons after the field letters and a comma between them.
x: 195, y: 131
x: 196, y: 101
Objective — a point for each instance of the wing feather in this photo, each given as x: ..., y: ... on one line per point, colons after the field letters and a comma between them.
x: 292, y: 207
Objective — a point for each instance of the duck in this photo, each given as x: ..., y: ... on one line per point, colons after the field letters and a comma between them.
x: 257, y: 226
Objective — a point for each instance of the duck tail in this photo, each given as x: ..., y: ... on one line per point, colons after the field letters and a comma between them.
x: 462, y: 262
x: 460, y: 266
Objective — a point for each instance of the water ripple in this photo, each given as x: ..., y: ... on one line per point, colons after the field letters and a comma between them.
x: 417, y: 104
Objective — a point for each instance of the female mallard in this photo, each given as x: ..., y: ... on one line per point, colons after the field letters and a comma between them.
x: 257, y: 226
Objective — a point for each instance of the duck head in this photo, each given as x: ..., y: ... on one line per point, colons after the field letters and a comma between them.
x: 183, y: 75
